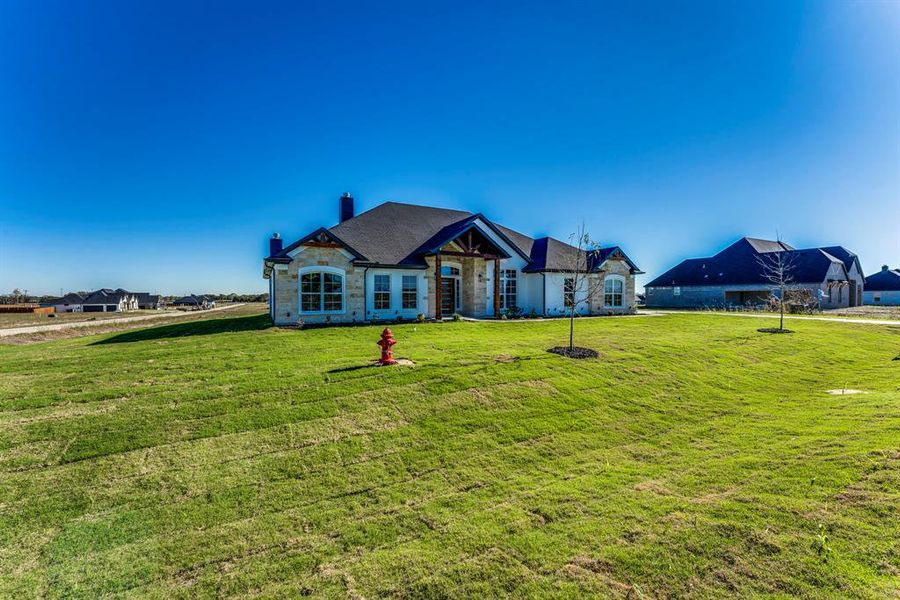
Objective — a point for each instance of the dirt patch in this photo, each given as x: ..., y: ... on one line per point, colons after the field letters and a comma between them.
x: 773, y: 330
x: 576, y: 352
x: 654, y: 487
x: 505, y: 358
x: 401, y: 362
x: 844, y: 391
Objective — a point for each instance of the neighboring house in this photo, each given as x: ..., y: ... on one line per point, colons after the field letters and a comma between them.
x: 883, y: 288
x: 734, y: 277
x: 71, y: 302
x: 401, y: 260
x: 193, y: 301
x: 855, y: 276
x: 107, y: 300
x: 147, y: 301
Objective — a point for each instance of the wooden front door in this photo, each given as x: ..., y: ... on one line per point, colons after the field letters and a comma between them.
x: 448, y: 296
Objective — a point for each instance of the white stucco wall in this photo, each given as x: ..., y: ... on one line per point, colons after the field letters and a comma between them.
x: 396, y: 279
x: 888, y: 298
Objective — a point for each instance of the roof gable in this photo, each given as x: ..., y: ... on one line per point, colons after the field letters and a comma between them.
x: 883, y: 281
x: 398, y: 234
x: 738, y: 264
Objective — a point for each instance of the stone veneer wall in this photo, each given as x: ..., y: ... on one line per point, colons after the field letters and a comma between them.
x: 287, y: 288
x: 615, y: 267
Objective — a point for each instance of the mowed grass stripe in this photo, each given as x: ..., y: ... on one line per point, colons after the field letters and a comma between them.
x: 687, y: 437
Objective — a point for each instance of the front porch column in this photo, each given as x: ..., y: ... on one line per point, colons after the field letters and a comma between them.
x: 496, y: 288
x: 437, y: 286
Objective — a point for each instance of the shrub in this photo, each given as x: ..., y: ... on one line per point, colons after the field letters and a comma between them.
x: 420, y: 318
x: 457, y: 317
x: 512, y: 312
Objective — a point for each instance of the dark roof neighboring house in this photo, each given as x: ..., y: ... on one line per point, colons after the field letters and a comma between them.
x: 886, y: 280
x: 146, y: 298
x: 106, y: 296
x: 71, y: 298
x: 397, y: 234
x: 738, y: 264
x: 847, y: 257
x: 189, y: 300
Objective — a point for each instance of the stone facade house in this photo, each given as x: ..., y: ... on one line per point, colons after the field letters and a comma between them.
x: 883, y: 288
x: 397, y: 261
x: 735, y: 277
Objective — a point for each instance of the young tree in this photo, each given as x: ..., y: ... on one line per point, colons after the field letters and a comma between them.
x: 580, y: 283
x: 777, y: 269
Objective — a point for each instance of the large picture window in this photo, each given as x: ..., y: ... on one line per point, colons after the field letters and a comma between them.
x: 508, y: 289
x: 614, y: 292
x: 321, y: 292
x: 569, y: 292
x: 382, y: 292
x: 410, y: 291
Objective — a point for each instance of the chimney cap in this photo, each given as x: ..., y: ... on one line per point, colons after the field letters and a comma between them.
x: 884, y: 267
x: 275, y: 236
x: 346, y: 195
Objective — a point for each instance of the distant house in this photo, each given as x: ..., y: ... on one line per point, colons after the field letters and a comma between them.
x: 107, y: 300
x: 734, y: 277
x: 148, y: 301
x: 193, y: 301
x: 401, y: 260
x: 883, y: 288
x: 71, y: 302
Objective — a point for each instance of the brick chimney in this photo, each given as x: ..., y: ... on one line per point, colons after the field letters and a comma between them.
x: 275, y: 244
x: 884, y: 267
x: 346, y: 207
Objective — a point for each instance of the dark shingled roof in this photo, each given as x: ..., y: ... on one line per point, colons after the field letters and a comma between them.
x: 189, y: 300
x: 398, y: 234
x: 846, y: 257
x: 738, y: 265
x: 105, y: 296
x: 887, y: 280
x: 71, y: 298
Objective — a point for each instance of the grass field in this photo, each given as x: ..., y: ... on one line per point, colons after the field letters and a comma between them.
x: 695, y: 458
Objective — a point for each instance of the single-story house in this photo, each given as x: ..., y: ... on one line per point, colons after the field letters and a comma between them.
x: 147, y: 301
x: 401, y: 260
x: 883, y: 288
x: 107, y: 300
x: 735, y: 277
x: 194, y: 301
x: 71, y: 302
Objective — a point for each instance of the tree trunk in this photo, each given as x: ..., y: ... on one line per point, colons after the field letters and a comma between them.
x: 781, y: 304
x: 572, y: 328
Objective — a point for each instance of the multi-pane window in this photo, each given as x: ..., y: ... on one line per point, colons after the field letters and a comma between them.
x: 321, y: 292
x: 508, y: 289
x: 569, y: 292
x: 613, y: 292
x: 382, y: 292
x: 410, y: 291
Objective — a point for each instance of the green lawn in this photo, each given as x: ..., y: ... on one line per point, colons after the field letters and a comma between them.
x: 695, y: 458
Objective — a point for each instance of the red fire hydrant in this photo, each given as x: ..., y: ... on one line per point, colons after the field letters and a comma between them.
x: 386, y: 342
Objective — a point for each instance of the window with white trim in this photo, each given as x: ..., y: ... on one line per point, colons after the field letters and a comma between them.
x: 614, y: 291
x: 569, y: 292
x: 676, y: 291
x: 410, y: 291
x: 382, y: 292
x: 321, y: 291
x: 508, y: 289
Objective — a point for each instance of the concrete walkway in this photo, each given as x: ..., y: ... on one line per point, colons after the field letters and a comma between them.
x: 893, y: 322
x: 6, y: 332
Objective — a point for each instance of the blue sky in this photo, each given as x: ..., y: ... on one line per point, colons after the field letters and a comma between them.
x: 155, y: 146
